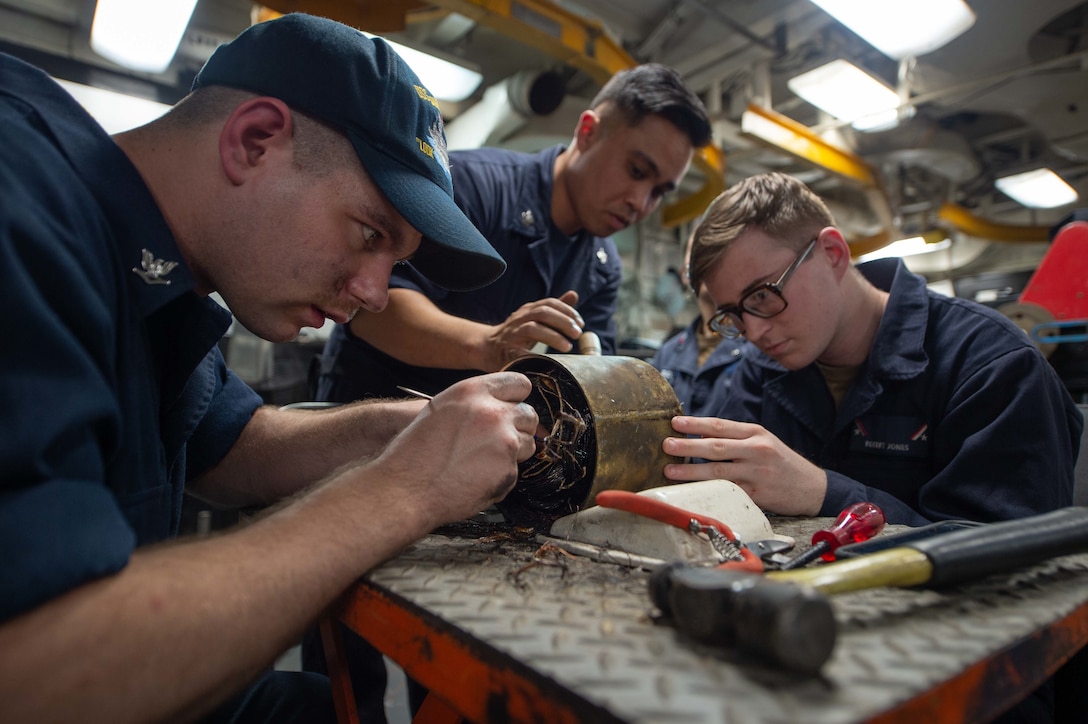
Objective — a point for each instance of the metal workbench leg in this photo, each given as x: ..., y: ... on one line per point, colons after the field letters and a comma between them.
x: 339, y: 677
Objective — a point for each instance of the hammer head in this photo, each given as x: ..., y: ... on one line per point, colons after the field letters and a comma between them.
x: 781, y: 624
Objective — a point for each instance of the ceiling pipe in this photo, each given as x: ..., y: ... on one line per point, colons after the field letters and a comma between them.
x: 387, y: 16
x: 505, y: 108
x: 965, y: 221
x: 781, y: 133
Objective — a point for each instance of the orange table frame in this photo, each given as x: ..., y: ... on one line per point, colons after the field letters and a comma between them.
x: 470, y: 681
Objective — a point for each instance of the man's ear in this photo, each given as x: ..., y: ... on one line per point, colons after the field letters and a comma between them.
x: 255, y: 129
x: 834, y: 246
x: 587, y: 130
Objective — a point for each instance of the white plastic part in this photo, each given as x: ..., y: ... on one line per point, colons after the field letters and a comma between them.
x: 619, y: 530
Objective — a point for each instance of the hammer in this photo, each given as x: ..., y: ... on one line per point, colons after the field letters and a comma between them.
x: 785, y: 619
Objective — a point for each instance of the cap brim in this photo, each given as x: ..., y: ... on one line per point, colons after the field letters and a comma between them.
x: 453, y: 254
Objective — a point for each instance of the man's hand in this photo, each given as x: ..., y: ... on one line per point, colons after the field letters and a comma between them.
x: 555, y: 322
x: 460, y: 454
x: 774, y: 476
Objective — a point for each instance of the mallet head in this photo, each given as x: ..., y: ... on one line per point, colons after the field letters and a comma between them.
x: 782, y: 624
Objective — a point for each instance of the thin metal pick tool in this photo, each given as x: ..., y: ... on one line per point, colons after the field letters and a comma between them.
x: 424, y: 396
x: 415, y: 393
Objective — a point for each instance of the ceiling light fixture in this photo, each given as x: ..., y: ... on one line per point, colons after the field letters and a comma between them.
x: 849, y: 94
x: 114, y: 111
x: 445, y: 79
x: 138, y: 34
x: 913, y: 246
x: 1038, y: 189
x: 902, y: 28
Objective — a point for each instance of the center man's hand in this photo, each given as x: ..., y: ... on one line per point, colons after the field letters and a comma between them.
x: 555, y: 322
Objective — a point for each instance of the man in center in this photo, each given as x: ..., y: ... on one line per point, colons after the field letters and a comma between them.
x: 550, y: 215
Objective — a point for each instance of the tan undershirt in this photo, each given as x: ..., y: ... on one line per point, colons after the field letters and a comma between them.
x: 708, y: 342
x: 838, y: 379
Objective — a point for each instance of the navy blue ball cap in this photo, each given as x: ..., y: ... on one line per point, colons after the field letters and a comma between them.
x: 336, y: 73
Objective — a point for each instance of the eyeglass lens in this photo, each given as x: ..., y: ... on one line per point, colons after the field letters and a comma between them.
x: 764, y: 301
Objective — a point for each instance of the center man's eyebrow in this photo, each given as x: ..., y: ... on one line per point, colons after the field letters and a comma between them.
x: 664, y: 188
x: 648, y: 161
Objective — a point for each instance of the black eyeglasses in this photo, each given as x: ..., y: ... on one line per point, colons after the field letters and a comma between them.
x: 764, y: 301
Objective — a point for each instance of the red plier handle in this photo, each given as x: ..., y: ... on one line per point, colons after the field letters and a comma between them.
x: 721, y: 536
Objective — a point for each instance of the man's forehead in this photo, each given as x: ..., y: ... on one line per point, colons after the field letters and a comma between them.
x: 655, y: 137
x: 751, y: 259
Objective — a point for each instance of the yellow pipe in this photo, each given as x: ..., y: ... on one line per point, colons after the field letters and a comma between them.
x: 543, y: 25
x: 865, y: 244
x: 387, y: 16
x: 972, y: 225
x: 782, y: 133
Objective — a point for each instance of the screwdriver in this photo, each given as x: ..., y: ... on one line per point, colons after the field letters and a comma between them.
x: 861, y: 521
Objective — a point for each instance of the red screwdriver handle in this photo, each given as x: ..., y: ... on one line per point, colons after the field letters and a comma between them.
x: 859, y: 522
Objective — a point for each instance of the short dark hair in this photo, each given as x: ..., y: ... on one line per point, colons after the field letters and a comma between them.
x: 655, y: 89
x: 777, y: 204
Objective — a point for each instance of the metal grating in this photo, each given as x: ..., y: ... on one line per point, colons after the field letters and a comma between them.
x: 587, y: 626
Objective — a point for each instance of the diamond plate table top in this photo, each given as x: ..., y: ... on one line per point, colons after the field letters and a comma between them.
x: 587, y: 627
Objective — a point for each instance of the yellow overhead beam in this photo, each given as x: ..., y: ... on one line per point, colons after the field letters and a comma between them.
x: 782, y: 133
x: 860, y: 246
x: 540, y: 24
x: 972, y: 225
x: 577, y: 41
x: 375, y: 16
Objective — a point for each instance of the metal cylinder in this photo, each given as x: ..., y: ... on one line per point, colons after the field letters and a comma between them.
x: 603, y: 421
x: 536, y: 93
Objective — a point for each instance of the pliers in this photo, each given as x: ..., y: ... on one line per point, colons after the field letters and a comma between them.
x: 735, y: 554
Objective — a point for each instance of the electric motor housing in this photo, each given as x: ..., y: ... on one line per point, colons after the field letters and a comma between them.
x: 602, y: 422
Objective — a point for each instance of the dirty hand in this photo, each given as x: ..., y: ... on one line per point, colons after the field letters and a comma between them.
x: 774, y: 476
x: 460, y: 454
x: 555, y: 322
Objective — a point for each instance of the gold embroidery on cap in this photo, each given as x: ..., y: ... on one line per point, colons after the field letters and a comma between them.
x: 425, y: 95
x: 425, y: 147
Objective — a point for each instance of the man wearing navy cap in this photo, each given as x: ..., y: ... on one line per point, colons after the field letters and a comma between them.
x: 117, y: 399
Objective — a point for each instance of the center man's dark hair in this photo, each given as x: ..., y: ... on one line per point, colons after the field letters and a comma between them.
x: 655, y: 89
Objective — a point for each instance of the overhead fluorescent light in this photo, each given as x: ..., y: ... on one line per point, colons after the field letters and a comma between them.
x: 849, y: 94
x: 902, y: 28
x: 114, y: 111
x: 446, y: 80
x: 138, y: 34
x: 1038, y: 189
x: 913, y: 246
